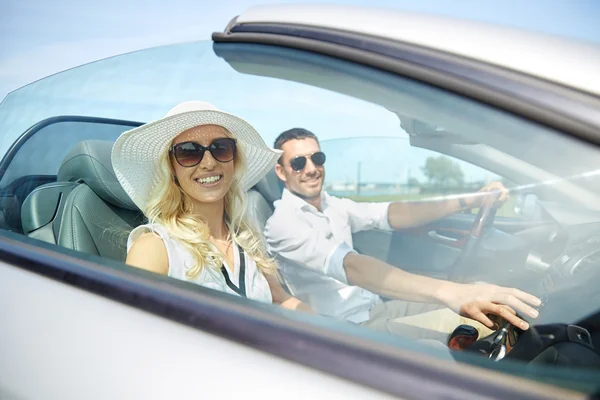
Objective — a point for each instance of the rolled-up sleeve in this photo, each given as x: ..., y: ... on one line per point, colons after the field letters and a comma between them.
x: 364, y: 216
x: 295, y: 241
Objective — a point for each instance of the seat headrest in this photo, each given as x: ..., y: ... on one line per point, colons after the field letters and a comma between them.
x: 270, y: 187
x: 89, y: 161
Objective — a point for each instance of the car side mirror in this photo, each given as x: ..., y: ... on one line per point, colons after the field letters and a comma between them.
x: 526, y: 205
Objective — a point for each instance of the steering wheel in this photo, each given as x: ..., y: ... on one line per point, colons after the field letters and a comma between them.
x: 483, y: 221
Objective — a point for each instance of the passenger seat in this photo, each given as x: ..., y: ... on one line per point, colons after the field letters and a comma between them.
x: 98, y: 215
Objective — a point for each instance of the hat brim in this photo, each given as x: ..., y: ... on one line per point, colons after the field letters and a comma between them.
x: 136, y: 153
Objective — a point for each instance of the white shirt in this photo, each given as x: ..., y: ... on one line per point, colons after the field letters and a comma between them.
x: 180, y: 260
x: 310, y: 247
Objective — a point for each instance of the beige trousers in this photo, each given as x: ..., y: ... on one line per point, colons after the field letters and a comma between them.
x: 419, y: 320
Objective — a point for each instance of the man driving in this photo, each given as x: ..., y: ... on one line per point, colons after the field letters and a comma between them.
x: 310, y: 236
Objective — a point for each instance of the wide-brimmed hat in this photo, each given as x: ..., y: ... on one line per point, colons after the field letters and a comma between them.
x: 136, y: 153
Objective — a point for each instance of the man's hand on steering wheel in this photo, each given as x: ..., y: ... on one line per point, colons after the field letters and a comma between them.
x: 478, y: 198
x: 477, y: 301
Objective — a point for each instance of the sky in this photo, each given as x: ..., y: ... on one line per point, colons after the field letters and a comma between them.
x: 42, y: 37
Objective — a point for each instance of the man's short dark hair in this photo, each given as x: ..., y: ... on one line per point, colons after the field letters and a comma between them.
x: 291, y: 134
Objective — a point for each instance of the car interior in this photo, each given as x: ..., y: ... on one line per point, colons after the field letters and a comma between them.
x: 84, y: 208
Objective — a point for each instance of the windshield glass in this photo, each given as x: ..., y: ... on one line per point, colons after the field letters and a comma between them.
x: 403, y: 203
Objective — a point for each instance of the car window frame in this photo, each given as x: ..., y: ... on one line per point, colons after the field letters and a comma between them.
x: 29, y: 133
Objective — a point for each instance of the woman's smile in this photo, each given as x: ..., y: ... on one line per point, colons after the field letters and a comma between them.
x: 209, y: 181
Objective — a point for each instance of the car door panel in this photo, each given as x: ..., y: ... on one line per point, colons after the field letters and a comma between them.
x: 375, y: 243
x: 517, y: 225
x: 433, y: 249
x: 421, y: 254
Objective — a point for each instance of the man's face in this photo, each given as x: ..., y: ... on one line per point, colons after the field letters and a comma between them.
x: 308, y: 182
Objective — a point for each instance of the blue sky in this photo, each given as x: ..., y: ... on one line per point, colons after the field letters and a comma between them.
x: 41, y: 37
x: 144, y: 85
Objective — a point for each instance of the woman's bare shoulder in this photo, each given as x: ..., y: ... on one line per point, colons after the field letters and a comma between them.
x: 149, y: 252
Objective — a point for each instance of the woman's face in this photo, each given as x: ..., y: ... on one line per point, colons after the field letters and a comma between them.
x: 210, y: 180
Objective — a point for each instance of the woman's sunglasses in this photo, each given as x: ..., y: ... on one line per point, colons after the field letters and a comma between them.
x: 298, y: 163
x: 190, y: 154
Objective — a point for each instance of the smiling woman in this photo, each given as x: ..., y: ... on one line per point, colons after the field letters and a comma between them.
x: 381, y: 210
x: 189, y: 173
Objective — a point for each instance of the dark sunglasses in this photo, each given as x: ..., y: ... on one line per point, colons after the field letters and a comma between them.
x: 190, y: 154
x: 298, y: 163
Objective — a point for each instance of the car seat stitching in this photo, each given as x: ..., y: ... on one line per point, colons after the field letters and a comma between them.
x: 97, y: 175
x: 74, y: 195
x: 85, y: 223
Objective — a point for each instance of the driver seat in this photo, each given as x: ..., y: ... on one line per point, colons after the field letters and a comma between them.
x: 260, y: 206
x: 261, y: 198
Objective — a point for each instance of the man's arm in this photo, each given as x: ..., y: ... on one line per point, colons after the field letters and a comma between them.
x: 318, y: 251
x: 472, y: 301
x: 417, y: 213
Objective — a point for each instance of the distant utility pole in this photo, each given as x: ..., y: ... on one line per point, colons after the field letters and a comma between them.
x: 358, y: 180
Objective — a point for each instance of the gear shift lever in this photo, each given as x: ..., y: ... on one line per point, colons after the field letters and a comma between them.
x: 462, y: 337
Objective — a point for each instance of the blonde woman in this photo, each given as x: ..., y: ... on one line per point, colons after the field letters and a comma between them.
x: 189, y: 173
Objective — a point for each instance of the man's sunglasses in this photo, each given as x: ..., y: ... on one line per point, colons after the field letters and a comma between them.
x: 190, y: 154
x: 298, y: 163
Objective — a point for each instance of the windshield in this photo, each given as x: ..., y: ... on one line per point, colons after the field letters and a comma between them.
x: 402, y: 164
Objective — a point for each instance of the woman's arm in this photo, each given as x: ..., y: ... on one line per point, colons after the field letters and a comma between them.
x: 283, y: 298
x: 149, y: 252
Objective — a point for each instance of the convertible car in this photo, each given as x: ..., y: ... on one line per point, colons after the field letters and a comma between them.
x: 407, y: 107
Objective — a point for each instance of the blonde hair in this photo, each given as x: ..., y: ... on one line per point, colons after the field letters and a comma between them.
x: 171, y: 207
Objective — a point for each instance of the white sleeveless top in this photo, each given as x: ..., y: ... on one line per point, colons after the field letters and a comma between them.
x: 180, y: 260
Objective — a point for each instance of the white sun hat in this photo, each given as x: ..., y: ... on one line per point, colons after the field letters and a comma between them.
x: 136, y: 153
